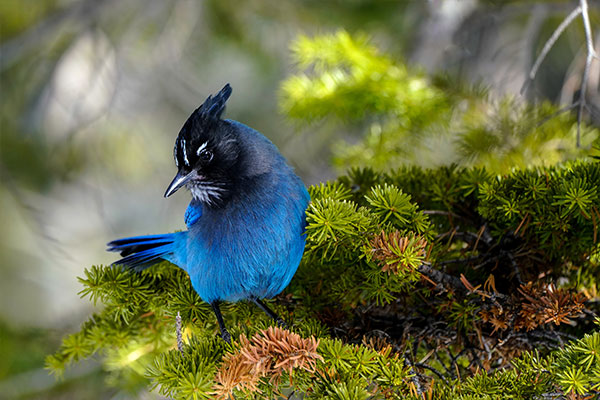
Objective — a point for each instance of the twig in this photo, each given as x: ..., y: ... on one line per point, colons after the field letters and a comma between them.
x: 549, y: 43
x: 515, y: 267
x: 178, y: 332
x: 557, y: 113
x: 591, y: 54
x: 549, y: 336
x: 415, y: 378
x: 476, y: 359
x: 466, y: 236
x: 487, y: 236
x: 441, y: 277
x: 459, y: 260
x: 435, y: 371
x: 450, y: 372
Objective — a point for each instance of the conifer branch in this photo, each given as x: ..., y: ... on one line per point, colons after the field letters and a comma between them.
x: 360, y: 278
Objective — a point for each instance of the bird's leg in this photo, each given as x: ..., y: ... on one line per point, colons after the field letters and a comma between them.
x: 269, y: 312
x: 224, y: 333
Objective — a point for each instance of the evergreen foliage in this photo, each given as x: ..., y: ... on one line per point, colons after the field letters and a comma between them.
x: 449, y: 283
x: 405, y: 117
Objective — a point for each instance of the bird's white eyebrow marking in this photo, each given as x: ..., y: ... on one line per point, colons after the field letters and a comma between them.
x: 185, y: 159
x: 202, y: 146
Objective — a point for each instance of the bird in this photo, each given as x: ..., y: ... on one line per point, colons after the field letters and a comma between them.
x: 246, y: 221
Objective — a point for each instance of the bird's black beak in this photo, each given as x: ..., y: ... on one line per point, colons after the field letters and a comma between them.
x: 180, y: 179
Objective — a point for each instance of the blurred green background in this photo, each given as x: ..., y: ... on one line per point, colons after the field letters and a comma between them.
x: 94, y: 92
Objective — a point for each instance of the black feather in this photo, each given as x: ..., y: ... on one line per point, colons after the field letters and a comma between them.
x: 213, y: 107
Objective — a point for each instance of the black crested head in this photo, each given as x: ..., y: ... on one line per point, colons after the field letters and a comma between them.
x: 199, y: 127
x: 206, y: 152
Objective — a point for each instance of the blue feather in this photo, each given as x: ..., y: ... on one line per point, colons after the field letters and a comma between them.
x: 246, y: 223
x: 140, y: 252
x: 192, y: 213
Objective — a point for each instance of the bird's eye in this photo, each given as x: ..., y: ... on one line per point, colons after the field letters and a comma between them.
x: 206, y: 155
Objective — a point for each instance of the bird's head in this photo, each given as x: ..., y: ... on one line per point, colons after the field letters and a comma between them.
x: 206, y: 153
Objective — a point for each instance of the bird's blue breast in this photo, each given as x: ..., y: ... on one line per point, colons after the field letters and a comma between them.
x: 252, y: 246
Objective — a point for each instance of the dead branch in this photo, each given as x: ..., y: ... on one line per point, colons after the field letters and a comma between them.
x: 582, y: 10
x: 549, y: 44
x: 588, y: 62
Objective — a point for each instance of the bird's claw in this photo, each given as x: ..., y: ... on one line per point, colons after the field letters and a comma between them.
x: 281, y: 323
x: 226, y: 336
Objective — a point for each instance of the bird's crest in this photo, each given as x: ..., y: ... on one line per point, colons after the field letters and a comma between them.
x: 213, y: 107
x: 193, y: 136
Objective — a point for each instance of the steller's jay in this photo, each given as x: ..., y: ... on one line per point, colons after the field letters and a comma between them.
x: 245, y: 223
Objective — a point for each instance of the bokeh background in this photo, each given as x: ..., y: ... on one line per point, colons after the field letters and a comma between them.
x: 94, y: 92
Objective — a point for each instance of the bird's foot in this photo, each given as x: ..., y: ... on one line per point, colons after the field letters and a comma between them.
x: 278, y: 320
x: 281, y: 323
x: 226, y: 336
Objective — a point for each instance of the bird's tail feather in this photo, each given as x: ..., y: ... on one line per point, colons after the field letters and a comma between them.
x: 140, y: 252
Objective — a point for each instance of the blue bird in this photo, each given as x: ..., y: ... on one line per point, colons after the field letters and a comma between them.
x: 245, y: 222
